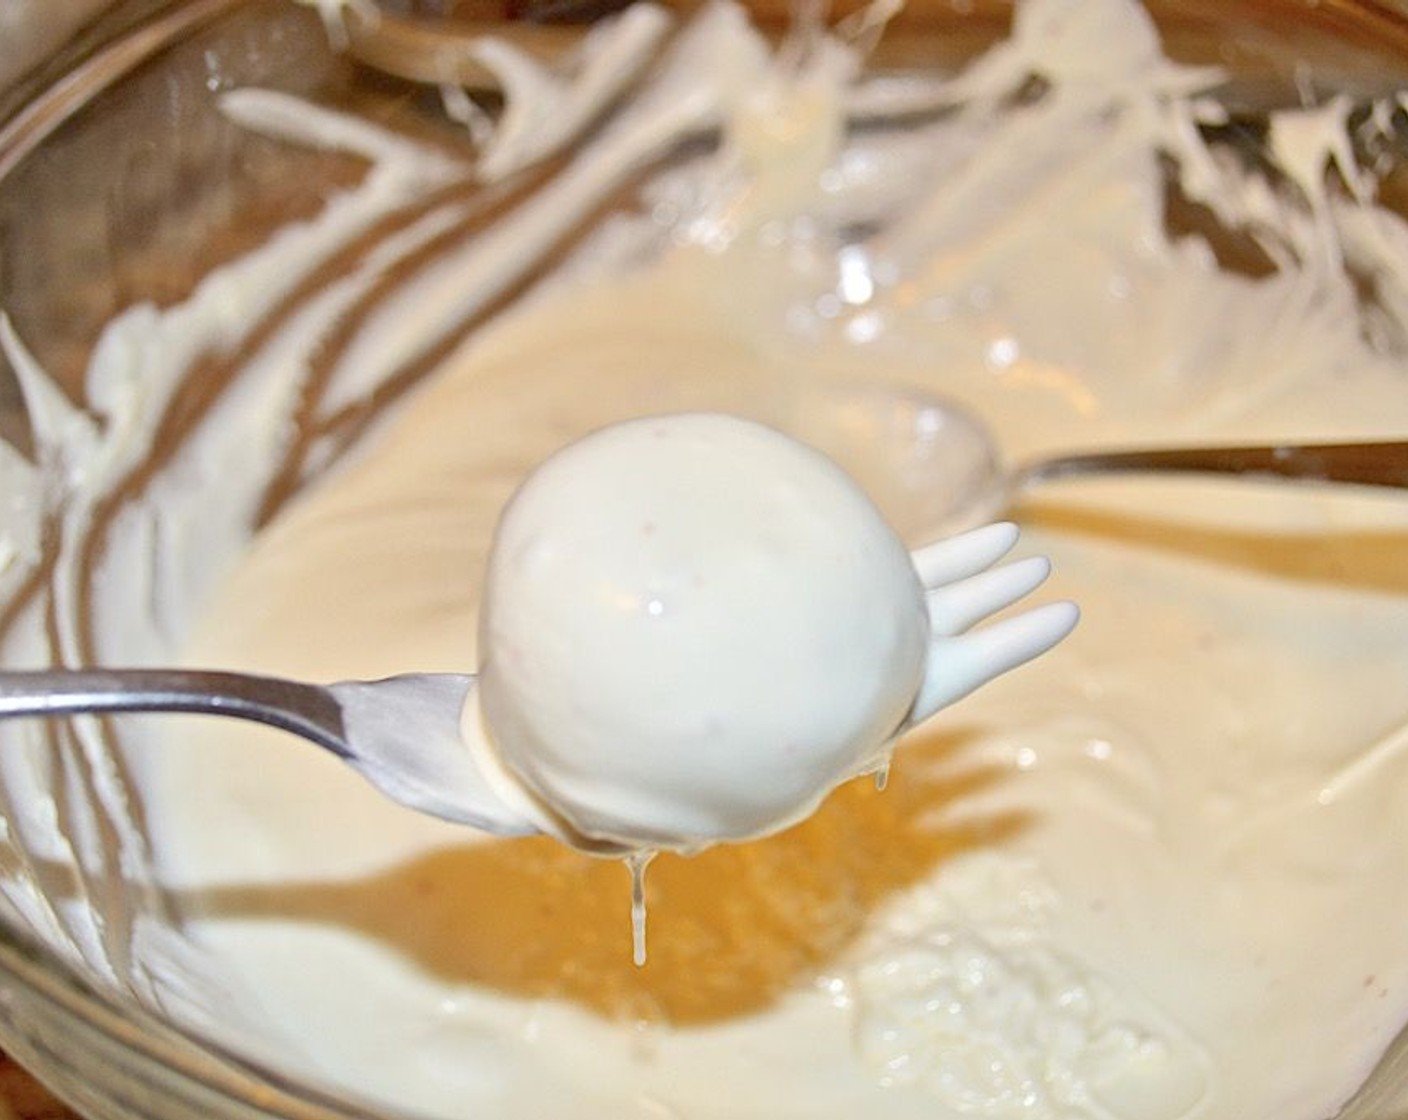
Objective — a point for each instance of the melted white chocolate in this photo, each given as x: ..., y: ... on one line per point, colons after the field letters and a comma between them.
x: 693, y: 630
x: 1103, y: 887
x: 1156, y: 875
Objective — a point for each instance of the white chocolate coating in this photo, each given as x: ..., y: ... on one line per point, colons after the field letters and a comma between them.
x: 693, y: 630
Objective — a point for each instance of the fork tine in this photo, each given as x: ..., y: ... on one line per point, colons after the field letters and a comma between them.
x: 959, y: 665
x: 954, y: 607
x: 964, y: 555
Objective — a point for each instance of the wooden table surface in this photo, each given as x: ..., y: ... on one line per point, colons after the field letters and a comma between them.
x: 23, y: 1098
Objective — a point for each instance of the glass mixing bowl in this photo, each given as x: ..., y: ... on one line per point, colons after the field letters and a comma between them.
x: 121, y: 183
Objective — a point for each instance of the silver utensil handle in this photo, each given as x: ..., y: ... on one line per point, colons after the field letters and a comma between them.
x: 1364, y: 464
x: 303, y: 709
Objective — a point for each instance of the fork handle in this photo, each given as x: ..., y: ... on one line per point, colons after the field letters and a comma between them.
x: 1364, y: 464
x: 303, y: 709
